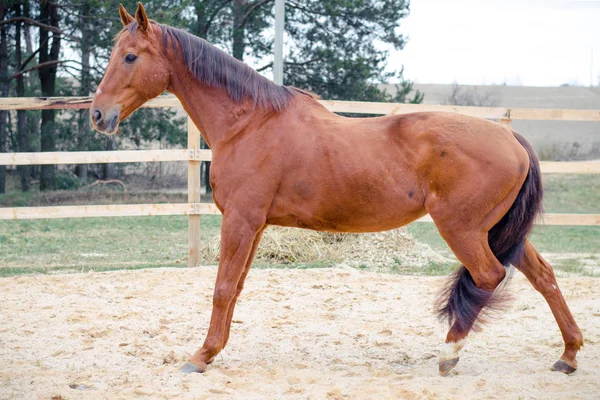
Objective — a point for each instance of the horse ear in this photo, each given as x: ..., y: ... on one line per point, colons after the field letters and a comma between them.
x: 126, y: 18
x: 141, y: 17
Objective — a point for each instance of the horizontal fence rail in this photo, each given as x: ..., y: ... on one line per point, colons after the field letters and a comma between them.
x: 104, y: 157
x: 73, y: 103
x: 128, y: 156
x: 113, y: 210
x: 358, y: 107
x: 193, y: 155
x: 140, y: 210
x: 570, y: 167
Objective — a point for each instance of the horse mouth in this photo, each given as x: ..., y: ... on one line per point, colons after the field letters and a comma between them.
x: 108, y: 126
x: 113, y: 126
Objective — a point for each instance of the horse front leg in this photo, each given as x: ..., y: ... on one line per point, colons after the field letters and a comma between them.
x: 240, y: 286
x: 238, y: 235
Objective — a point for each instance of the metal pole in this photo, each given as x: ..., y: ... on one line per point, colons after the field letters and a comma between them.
x: 592, y: 69
x: 278, y: 50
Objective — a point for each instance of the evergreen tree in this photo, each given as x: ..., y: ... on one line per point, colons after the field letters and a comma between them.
x: 335, y: 48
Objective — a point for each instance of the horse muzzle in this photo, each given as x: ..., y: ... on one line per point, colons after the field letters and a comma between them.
x: 105, y: 121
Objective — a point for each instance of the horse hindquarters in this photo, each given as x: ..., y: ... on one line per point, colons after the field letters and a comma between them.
x: 484, y: 256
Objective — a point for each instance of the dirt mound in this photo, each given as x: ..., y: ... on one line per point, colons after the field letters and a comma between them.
x: 374, y: 251
x: 391, y: 249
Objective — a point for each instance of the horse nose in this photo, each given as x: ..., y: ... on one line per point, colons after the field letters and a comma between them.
x: 96, y: 116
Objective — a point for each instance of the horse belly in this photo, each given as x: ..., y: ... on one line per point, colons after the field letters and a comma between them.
x: 348, y: 208
x: 375, y: 212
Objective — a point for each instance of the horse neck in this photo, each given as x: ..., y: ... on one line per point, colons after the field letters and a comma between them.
x: 218, y: 117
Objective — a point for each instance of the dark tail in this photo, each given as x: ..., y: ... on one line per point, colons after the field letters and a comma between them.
x: 461, y: 301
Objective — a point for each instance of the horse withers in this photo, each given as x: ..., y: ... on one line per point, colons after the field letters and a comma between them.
x: 281, y: 158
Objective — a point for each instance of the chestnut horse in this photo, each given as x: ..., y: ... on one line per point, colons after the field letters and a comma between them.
x: 281, y: 158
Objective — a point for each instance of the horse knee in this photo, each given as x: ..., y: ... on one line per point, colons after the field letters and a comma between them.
x: 545, y: 285
x: 542, y: 278
x: 223, y: 295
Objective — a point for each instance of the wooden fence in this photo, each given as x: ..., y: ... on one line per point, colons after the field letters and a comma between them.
x: 194, y: 155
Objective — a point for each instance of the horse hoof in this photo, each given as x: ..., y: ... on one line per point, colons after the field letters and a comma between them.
x: 562, y: 366
x: 447, y: 365
x: 189, y: 368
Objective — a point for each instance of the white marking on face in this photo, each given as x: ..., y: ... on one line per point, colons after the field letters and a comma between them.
x: 554, y: 286
x: 449, y: 351
x: 98, y: 91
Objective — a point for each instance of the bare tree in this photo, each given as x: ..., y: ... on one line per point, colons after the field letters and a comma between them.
x: 47, y: 75
x: 22, y: 134
x: 3, y: 93
x: 463, y: 96
x: 83, y: 119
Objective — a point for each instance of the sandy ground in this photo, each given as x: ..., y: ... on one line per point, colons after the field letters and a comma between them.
x: 306, y: 334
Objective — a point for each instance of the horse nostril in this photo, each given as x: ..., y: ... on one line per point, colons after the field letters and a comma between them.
x: 97, y: 115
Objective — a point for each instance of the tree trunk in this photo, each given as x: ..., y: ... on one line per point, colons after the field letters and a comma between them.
x: 49, y: 16
x: 201, y: 28
x: 33, y: 117
x: 206, y: 14
x: 239, y: 26
x: 85, y: 88
x: 4, y: 93
x: 22, y: 136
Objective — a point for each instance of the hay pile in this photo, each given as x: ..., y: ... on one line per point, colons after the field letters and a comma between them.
x: 374, y: 251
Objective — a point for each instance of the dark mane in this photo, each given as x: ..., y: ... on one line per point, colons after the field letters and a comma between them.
x: 214, y: 67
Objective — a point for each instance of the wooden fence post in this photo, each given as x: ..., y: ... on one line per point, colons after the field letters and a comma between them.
x: 506, y: 121
x: 193, y: 194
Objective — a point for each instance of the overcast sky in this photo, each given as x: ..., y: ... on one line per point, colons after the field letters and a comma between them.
x: 522, y: 42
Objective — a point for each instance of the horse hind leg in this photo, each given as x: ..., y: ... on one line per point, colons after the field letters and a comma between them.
x: 489, y: 239
x: 471, y: 290
x: 540, y: 275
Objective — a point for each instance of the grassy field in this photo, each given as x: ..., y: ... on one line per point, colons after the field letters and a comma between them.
x: 547, y: 239
x: 72, y: 245
x: 565, y: 193
x: 96, y: 243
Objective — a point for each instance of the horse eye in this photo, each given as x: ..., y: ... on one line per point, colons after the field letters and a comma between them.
x: 129, y: 58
